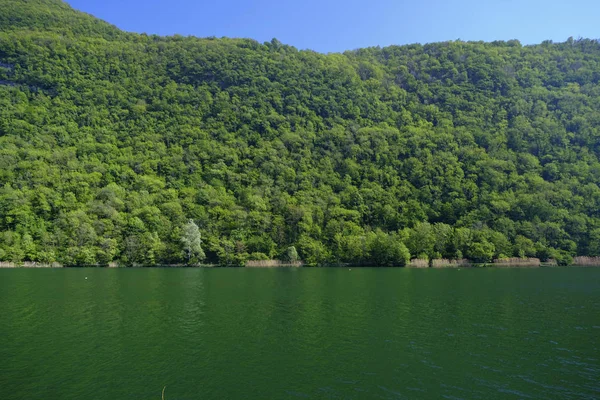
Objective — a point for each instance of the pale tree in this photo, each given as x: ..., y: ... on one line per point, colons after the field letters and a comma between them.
x: 192, y: 242
x: 291, y: 254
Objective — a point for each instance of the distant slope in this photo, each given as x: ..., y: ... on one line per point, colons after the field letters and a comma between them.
x: 111, y: 142
x: 51, y: 15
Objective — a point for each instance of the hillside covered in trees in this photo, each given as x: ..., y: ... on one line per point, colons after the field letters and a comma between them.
x: 139, y: 149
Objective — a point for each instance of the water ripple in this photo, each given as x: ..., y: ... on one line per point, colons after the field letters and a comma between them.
x: 308, y: 333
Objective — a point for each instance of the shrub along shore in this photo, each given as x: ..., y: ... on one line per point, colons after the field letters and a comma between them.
x: 514, y: 262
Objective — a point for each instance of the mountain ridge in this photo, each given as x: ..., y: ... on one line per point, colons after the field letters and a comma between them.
x: 53, y: 15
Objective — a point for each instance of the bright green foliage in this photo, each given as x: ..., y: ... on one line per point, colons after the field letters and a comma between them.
x: 313, y: 251
x: 387, y: 250
x: 111, y: 142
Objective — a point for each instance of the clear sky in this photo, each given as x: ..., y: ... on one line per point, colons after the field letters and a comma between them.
x: 338, y: 25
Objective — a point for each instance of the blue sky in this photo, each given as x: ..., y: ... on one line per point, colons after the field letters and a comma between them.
x: 338, y: 25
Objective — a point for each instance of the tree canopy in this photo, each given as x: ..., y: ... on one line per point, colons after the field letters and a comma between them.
x: 113, y: 143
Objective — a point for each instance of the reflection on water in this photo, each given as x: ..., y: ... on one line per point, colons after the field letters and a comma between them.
x: 300, y: 333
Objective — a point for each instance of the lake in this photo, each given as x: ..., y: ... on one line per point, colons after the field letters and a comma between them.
x: 330, y: 333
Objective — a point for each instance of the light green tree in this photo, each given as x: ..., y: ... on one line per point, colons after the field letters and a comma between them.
x: 192, y: 242
x: 291, y: 254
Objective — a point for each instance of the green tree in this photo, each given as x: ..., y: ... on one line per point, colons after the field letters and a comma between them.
x: 192, y: 242
x: 291, y: 254
x: 386, y: 249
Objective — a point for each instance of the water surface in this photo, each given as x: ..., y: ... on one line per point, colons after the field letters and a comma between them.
x: 300, y: 333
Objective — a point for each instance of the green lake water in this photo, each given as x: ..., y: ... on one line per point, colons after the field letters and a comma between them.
x: 300, y: 333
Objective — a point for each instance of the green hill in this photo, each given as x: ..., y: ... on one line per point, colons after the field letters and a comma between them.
x: 110, y: 142
x: 52, y: 15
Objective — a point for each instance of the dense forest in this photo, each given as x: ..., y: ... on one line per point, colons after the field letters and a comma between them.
x: 143, y: 150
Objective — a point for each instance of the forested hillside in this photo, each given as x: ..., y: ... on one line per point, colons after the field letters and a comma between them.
x: 115, y: 146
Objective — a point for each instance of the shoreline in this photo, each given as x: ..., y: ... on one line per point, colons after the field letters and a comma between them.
x: 28, y: 265
x: 415, y: 263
